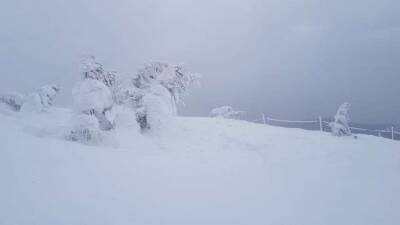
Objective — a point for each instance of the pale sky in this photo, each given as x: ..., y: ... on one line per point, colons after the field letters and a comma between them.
x: 287, y: 58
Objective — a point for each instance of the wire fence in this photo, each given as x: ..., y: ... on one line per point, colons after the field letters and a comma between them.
x: 324, y: 126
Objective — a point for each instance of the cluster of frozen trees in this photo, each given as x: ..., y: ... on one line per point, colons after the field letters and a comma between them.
x: 39, y: 101
x: 105, y: 100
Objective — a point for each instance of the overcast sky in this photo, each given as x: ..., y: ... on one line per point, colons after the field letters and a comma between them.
x: 290, y: 59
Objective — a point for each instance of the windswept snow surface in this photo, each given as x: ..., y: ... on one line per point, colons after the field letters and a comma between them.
x: 199, y: 171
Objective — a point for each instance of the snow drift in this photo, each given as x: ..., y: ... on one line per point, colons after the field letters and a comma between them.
x: 199, y: 171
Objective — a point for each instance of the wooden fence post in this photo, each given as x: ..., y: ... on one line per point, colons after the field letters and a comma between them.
x: 392, y: 133
x: 320, y: 124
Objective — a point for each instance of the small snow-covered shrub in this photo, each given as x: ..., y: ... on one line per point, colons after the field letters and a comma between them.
x: 48, y: 94
x: 12, y: 101
x: 85, y: 130
x: 340, y: 126
x: 42, y: 99
x: 226, y: 112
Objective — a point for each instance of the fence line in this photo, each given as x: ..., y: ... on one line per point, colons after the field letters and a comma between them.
x: 376, y: 130
x: 321, y: 123
x: 291, y: 121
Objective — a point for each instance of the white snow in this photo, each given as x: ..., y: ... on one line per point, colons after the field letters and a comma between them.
x: 91, y: 94
x: 200, y: 171
x: 85, y: 129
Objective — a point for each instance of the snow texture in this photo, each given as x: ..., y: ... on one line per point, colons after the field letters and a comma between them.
x: 91, y: 95
x: 203, y: 171
x: 122, y: 117
x: 85, y: 130
x: 159, y: 108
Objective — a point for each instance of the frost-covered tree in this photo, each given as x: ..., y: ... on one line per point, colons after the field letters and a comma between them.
x: 91, y: 69
x: 13, y: 101
x: 42, y: 99
x: 175, y: 78
x: 341, y: 124
x: 127, y: 97
x: 124, y: 92
x: 92, y: 97
x: 93, y: 100
x: 157, y: 89
x: 226, y: 112
x: 152, y: 93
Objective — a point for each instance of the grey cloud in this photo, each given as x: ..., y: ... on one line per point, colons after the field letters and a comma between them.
x: 289, y: 58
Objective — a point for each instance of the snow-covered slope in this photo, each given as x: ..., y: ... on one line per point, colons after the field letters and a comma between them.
x: 199, y: 171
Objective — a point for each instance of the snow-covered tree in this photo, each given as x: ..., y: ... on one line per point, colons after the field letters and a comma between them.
x: 157, y: 89
x: 152, y: 93
x: 341, y: 124
x: 91, y: 97
x: 91, y: 69
x: 13, y: 101
x: 130, y: 97
x: 226, y: 112
x: 124, y: 92
x: 42, y: 99
x: 175, y: 78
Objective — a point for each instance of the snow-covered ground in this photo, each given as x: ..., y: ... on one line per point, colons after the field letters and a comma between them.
x: 198, y: 171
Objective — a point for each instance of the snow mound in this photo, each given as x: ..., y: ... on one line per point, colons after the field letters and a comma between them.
x: 200, y: 171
